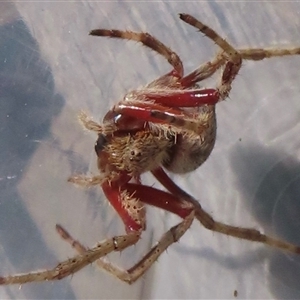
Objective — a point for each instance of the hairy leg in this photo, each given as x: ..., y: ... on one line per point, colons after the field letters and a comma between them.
x: 76, y: 263
x: 208, y: 222
x: 147, y: 40
x: 139, y: 269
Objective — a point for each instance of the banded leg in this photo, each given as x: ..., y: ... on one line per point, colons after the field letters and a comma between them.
x: 257, y: 54
x: 160, y: 114
x: 207, y: 69
x: 234, y: 58
x: 152, y: 112
x: 209, y: 223
x: 139, y: 269
x: 234, y: 55
x: 151, y: 196
x: 147, y: 40
x: 203, y: 72
x: 76, y: 263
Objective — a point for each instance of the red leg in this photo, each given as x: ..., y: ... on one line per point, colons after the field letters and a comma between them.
x: 205, y: 71
x: 134, y: 116
x: 127, y: 200
x: 158, y: 113
x: 169, y: 184
x: 127, y: 206
x: 147, y: 111
x: 180, y: 98
x: 184, y: 98
x: 160, y: 199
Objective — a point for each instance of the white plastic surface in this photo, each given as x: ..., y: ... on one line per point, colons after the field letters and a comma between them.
x: 50, y: 69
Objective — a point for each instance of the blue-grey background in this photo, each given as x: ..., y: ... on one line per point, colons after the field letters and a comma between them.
x: 50, y: 69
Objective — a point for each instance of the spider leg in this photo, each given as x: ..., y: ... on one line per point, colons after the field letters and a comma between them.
x: 152, y: 112
x: 86, y: 181
x: 234, y: 58
x: 139, y: 269
x: 89, y: 124
x: 147, y: 40
x: 159, y: 114
x: 260, y: 53
x: 128, y: 201
x: 233, y: 54
x: 180, y: 98
x: 156, y: 198
x: 150, y: 196
x: 127, y: 205
x: 76, y: 263
x: 208, y: 222
x: 90, y: 181
x: 165, y: 110
x: 207, y: 69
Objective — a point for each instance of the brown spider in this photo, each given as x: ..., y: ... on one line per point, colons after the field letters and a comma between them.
x: 171, y: 124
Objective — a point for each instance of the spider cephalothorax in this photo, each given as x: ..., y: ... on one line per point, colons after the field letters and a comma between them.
x: 126, y: 153
x: 169, y: 124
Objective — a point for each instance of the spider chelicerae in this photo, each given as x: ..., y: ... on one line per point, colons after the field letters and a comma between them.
x: 168, y: 124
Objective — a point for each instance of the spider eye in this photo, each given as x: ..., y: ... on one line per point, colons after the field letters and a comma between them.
x: 100, y: 143
x: 135, y: 153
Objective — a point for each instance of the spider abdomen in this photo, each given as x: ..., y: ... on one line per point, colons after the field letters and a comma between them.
x: 192, y: 148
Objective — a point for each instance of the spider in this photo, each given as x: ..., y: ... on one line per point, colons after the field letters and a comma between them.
x: 168, y: 124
